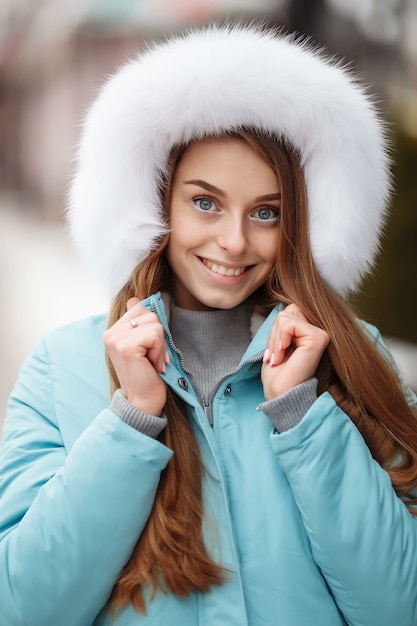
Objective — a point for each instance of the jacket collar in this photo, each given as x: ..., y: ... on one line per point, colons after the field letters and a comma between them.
x: 260, y: 326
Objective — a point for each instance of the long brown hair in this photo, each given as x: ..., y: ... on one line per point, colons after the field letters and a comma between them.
x: 170, y: 554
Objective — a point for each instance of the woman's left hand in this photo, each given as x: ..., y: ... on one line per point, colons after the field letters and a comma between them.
x: 293, y: 352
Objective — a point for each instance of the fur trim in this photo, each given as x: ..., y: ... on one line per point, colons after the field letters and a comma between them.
x: 204, y: 83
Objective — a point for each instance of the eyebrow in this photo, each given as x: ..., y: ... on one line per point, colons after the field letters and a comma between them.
x: 213, y: 189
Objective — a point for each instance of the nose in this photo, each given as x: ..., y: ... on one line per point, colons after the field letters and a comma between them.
x: 233, y: 236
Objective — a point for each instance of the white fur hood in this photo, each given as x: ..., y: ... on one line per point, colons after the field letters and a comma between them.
x: 204, y: 83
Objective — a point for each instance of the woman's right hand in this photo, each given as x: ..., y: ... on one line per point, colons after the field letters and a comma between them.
x: 137, y: 349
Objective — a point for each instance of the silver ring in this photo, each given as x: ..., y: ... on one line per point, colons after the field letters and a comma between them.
x: 133, y: 323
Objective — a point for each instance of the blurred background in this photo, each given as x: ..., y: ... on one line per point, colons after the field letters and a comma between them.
x: 54, y: 54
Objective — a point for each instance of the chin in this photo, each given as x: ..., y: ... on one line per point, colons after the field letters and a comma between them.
x: 223, y: 303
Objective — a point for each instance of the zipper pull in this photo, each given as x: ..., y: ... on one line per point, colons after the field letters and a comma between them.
x: 208, y: 409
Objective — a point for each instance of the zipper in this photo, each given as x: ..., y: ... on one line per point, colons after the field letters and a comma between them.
x: 208, y: 408
x: 206, y: 400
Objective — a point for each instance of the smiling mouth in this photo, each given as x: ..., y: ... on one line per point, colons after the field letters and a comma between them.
x: 222, y: 270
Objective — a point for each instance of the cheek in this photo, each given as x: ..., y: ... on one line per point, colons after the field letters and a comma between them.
x: 178, y: 246
x: 172, y: 248
x: 269, y: 248
x: 177, y: 237
x: 186, y: 235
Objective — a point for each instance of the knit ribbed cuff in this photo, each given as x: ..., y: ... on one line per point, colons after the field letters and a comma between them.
x: 148, y: 424
x: 288, y: 410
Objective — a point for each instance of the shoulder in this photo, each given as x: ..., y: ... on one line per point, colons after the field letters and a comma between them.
x: 76, y: 357
x: 65, y: 378
x: 66, y: 347
x: 85, y: 334
x: 376, y: 337
x: 74, y: 352
x: 372, y: 331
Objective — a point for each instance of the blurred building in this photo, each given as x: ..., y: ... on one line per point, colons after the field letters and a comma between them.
x: 54, y: 55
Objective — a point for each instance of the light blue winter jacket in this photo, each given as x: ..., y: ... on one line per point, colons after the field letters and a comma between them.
x: 306, y: 520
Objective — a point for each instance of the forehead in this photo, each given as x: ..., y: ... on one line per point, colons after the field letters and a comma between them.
x: 221, y: 154
x: 216, y: 145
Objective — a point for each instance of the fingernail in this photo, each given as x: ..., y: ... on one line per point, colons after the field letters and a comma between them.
x: 272, y: 360
x: 266, y: 355
x: 164, y: 369
x: 167, y: 359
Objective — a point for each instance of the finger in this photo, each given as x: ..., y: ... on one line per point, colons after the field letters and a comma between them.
x: 281, y: 333
x: 157, y: 351
x: 139, y: 318
x: 294, y: 311
x: 142, y: 331
x: 138, y: 314
x: 142, y: 341
x: 132, y: 302
x: 150, y: 335
x: 286, y: 330
x: 134, y: 308
x: 294, y: 332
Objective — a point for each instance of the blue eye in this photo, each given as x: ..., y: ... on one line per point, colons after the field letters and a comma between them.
x: 267, y: 214
x: 204, y: 204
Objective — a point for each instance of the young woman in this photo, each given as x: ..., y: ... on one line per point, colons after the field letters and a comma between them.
x: 248, y: 456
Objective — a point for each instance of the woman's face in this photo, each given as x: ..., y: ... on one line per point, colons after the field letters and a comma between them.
x: 224, y: 216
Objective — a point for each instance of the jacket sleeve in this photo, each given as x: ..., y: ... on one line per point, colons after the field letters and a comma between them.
x: 362, y: 535
x: 68, y: 521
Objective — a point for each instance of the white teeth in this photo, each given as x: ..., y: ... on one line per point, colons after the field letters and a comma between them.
x: 223, y: 271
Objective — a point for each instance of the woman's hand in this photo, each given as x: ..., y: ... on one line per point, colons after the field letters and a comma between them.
x: 293, y: 352
x: 137, y: 349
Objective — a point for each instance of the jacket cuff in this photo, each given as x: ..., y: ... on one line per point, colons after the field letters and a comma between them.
x: 147, y: 424
x: 288, y: 410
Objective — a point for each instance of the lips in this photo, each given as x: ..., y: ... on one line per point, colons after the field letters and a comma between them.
x: 216, y: 268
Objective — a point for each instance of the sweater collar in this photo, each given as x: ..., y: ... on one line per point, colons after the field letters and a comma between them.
x: 260, y: 326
